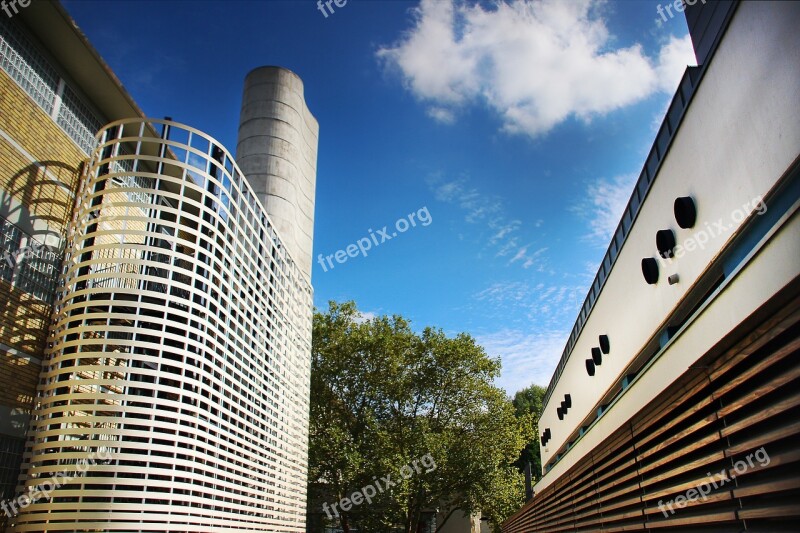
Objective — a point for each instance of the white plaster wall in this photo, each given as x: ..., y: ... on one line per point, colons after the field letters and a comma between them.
x: 740, y: 134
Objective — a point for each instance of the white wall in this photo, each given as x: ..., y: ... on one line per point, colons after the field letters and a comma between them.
x: 740, y: 134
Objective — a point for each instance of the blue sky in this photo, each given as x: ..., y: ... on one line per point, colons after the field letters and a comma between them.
x: 520, y: 125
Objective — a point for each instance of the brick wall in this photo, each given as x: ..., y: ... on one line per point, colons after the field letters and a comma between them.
x: 30, y: 127
x: 24, y: 319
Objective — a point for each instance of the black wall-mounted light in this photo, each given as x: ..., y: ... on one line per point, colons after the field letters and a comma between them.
x: 590, y: 367
x: 568, y: 400
x: 560, y: 413
x: 605, y: 344
x: 564, y: 408
x: 597, y: 356
x: 685, y: 212
x: 665, y: 242
x: 650, y: 270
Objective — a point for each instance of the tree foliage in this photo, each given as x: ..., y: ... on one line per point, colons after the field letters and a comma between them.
x: 529, y: 402
x: 383, y: 396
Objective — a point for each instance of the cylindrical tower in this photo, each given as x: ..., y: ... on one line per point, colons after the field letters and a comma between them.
x: 277, y: 151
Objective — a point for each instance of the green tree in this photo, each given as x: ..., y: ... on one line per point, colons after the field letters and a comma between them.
x: 383, y: 396
x: 528, y: 402
x: 507, y: 488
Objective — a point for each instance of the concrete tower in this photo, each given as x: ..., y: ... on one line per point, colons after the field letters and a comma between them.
x: 277, y: 151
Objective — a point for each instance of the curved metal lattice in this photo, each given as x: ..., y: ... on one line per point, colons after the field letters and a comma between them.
x: 180, y: 350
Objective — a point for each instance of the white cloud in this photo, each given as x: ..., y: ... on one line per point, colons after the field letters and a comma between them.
x: 442, y: 114
x: 528, y: 260
x: 603, y: 205
x: 538, y: 318
x: 528, y: 358
x: 365, y: 316
x: 552, y: 307
x: 535, y: 62
x: 480, y: 208
x: 499, y: 292
x: 672, y: 61
x: 504, y: 230
x: 520, y: 254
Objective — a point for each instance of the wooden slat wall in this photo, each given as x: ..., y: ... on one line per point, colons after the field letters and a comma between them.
x: 733, y: 404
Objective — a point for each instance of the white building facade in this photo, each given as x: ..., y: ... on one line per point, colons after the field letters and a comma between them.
x: 675, y: 404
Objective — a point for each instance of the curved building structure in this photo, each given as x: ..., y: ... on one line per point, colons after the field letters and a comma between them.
x: 174, y: 393
x: 277, y: 151
x: 55, y: 94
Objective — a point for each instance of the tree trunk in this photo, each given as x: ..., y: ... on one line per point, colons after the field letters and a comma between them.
x: 345, y: 523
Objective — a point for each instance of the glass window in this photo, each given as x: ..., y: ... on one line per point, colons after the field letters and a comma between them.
x: 23, y: 62
x: 79, y: 123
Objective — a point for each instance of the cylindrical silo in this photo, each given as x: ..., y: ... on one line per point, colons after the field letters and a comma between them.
x: 277, y: 152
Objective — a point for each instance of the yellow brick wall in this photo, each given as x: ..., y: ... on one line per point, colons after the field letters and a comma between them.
x: 32, y: 128
x: 23, y: 325
x: 23, y: 319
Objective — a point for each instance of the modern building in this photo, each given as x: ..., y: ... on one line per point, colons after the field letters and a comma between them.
x: 675, y: 403
x: 156, y: 344
x: 55, y: 94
